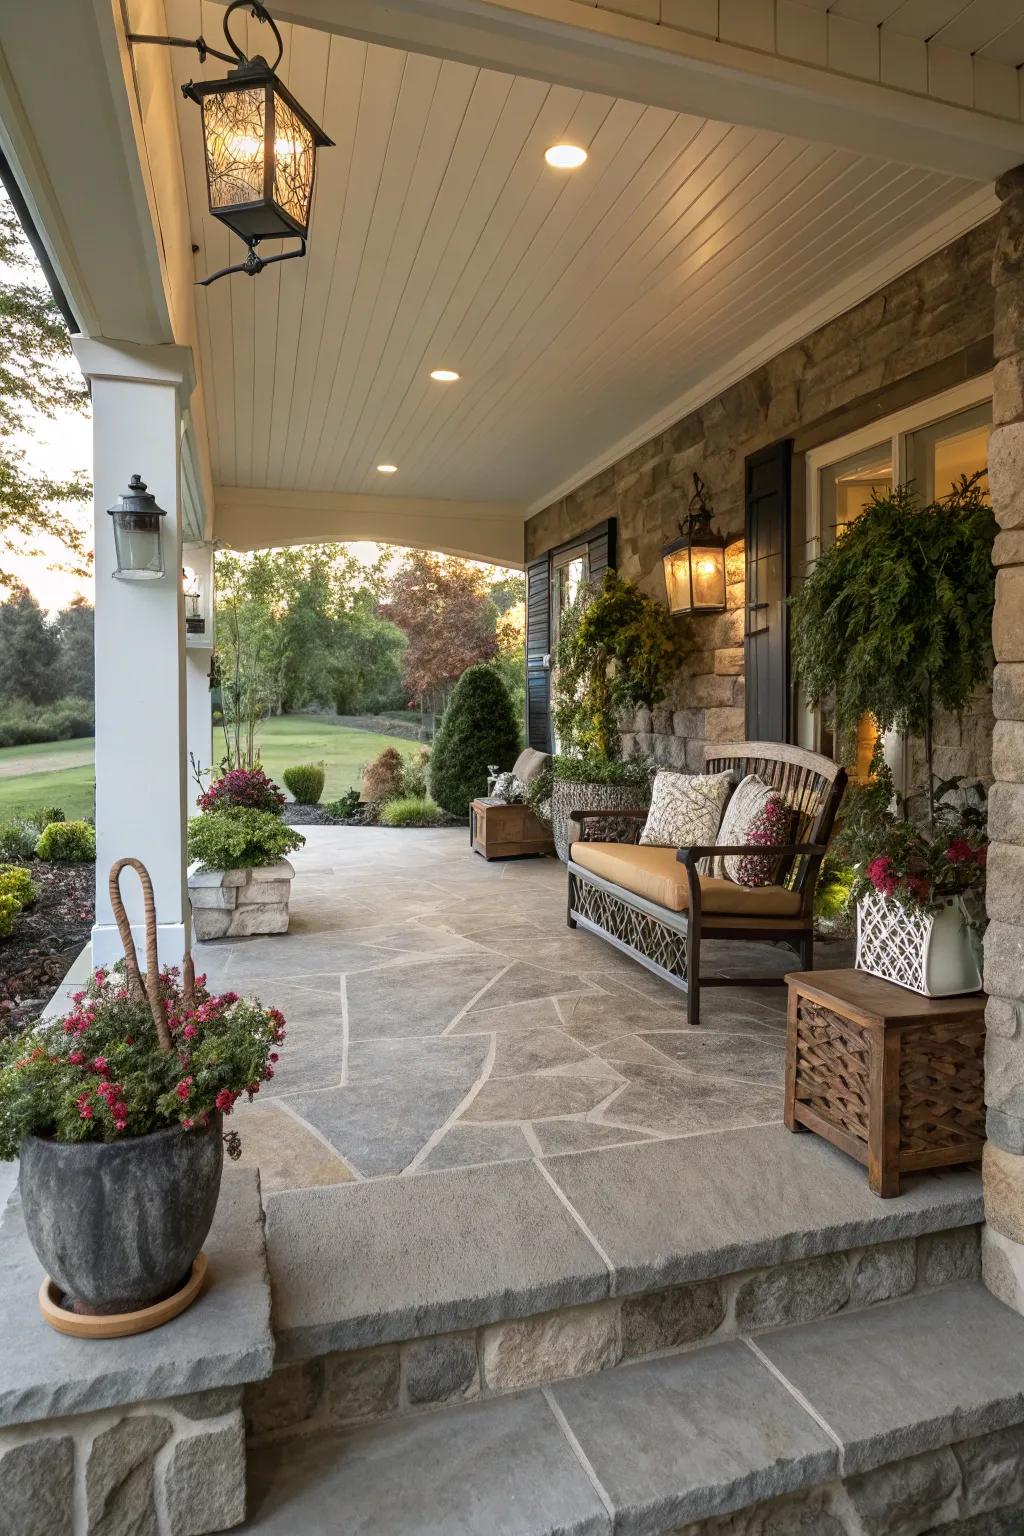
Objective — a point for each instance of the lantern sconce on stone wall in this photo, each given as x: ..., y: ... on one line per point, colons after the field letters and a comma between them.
x: 695, y: 563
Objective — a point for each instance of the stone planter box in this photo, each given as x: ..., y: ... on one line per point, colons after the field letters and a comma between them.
x: 928, y: 953
x: 235, y: 903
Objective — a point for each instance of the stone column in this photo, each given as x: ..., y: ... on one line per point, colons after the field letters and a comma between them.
x: 1004, y: 942
x: 138, y: 394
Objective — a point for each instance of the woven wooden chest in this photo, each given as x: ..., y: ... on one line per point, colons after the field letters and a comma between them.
x: 892, y: 1078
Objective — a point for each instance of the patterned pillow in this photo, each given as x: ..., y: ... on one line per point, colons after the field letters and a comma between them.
x: 742, y: 823
x: 686, y: 808
x: 508, y: 788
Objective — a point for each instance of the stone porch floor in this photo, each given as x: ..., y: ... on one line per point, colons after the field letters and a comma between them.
x: 442, y: 1015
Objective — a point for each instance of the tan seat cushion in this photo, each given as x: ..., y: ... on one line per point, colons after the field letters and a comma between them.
x: 657, y: 875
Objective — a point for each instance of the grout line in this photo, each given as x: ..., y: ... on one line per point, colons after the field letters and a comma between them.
x: 475, y: 998
x: 579, y: 1452
x: 578, y: 1219
x: 459, y: 1110
x: 532, y: 1140
x: 799, y: 1397
x: 320, y: 1137
x: 344, y: 1031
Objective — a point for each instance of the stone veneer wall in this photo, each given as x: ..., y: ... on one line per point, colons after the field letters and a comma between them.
x: 923, y: 333
x: 1004, y: 940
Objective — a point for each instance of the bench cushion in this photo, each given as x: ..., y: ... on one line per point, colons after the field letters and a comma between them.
x: 657, y: 875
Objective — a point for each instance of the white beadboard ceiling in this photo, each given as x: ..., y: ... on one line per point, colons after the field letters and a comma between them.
x: 576, y: 306
x: 993, y: 29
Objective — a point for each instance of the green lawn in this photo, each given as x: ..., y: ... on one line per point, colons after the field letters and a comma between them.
x: 284, y: 743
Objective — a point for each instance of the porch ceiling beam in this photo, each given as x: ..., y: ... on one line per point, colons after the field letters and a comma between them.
x: 257, y: 518
x: 597, y: 50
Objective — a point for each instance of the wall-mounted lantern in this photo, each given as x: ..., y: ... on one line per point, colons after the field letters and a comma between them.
x: 260, y: 145
x: 195, y: 621
x: 137, y: 533
x: 695, y: 564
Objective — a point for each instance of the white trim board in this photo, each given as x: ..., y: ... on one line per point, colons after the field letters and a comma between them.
x: 974, y: 209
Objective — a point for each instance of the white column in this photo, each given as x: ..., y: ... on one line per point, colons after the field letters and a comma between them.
x: 138, y: 394
x: 198, y: 659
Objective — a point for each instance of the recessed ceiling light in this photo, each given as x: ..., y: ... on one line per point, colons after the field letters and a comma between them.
x: 387, y: 469
x: 445, y: 375
x: 565, y: 157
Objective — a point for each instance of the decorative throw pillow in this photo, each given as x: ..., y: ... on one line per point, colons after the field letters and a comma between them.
x: 508, y: 789
x: 686, y: 808
x: 739, y: 824
x: 769, y: 829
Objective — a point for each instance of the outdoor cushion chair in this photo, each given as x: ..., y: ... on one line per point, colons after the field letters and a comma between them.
x: 657, y: 904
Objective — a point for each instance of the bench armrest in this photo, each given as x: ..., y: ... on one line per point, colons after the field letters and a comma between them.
x: 689, y: 856
x: 628, y: 813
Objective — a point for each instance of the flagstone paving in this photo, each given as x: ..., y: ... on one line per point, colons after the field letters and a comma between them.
x: 441, y: 1014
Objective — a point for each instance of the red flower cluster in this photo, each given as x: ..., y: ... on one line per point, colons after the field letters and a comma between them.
x: 882, y: 876
x: 961, y: 852
x: 242, y: 786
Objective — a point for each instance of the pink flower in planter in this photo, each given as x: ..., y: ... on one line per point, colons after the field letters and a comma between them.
x: 184, y: 1088
x: 190, y: 1031
x: 100, y: 1064
x: 224, y: 1100
x: 99, y: 976
x: 959, y: 851
x: 76, y: 1058
x: 919, y: 887
x: 880, y: 873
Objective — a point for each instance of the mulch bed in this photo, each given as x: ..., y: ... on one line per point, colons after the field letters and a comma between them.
x: 316, y: 816
x: 46, y: 939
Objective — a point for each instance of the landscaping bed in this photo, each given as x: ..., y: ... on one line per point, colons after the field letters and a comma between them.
x: 46, y: 939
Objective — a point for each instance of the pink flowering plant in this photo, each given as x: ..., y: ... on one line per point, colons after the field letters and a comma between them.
x: 249, y: 788
x: 99, y: 1074
x: 921, y: 865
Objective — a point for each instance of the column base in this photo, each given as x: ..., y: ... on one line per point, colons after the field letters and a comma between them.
x: 1002, y: 1267
x: 173, y: 943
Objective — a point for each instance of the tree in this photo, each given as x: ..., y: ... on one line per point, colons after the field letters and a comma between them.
x: 36, y: 379
x: 895, y: 619
x: 478, y: 730
x: 511, y: 658
x: 75, y: 631
x: 444, y: 609
x: 508, y: 591
x: 29, y: 651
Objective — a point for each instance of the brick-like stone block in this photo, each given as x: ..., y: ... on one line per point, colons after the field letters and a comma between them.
x: 290, y: 1396
x: 1004, y: 958
x: 907, y: 1497
x: 1008, y: 751
x: 575, y: 1342
x: 1008, y: 547
x: 1008, y: 389
x: 1004, y: 1017
x: 210, y: 923
x: 725, y: 725
x: 1006, y: 1130
x: 361, y: 1385
x: 1002, y: 1175
x: 1005, y: 883
x: 208, y: 1405
x: 992, y: 1471
x: 1008, y: 691
x: 442, y: 1370
x: 119, y: 1477
x: 729, y: 660
x: 1006, y: 472
x: 1002, y: 1267
x: 274, y: 893
x: 669, y: 1319
x: 793, y: 1293
x: 944, y: 1258
x: 1004, y: 1073
x: 204, y: 1481
x: 883, y: 1272
x: 37, y: 1482
x: 1008, y: 617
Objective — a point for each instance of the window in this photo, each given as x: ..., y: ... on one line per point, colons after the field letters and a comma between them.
x: 931, y: 444
x: 570, y: 569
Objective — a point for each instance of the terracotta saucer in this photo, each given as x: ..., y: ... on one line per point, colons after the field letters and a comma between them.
x: 120, y: 1325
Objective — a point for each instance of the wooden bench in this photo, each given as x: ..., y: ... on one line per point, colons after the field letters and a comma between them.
x: 893, y: 1078
x: 668, y: 942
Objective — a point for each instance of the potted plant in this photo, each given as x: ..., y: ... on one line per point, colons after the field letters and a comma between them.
x: 116, y: 1113
x: 617, y: 649
x: 240, y: 881
x: 919, y: 886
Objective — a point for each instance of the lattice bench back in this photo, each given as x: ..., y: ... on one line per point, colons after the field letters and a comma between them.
x: 812, y: 785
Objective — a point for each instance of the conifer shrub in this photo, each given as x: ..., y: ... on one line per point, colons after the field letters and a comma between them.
x: 479, y: 728
x: 306, y: 782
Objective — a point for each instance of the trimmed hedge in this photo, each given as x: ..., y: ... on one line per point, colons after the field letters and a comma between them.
x: 306, y: 782
x: 478, y: 728
x: 67, y: 842
x: 23, y: 724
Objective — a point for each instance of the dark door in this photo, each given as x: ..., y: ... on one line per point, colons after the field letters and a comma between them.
x: 766, y: 641
x: 538, y: 645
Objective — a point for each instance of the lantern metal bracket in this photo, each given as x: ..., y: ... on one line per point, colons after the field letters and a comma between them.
x: 253, y: 263
x: 236, y: 56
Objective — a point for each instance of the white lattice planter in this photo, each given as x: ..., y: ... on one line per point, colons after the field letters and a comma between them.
x: 928, y: 953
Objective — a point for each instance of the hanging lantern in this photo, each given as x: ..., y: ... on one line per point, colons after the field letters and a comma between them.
x: 195, y: 623
x: 695, y: 564
x: 137, y: 533
x: 260, y: 146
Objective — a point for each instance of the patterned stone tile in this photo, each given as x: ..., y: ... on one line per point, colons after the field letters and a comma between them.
x: 537, y: 1096
x: 723, y: 1055
x: 523, y: 983
x: 416, y: 998
x: 533, y: 1049
x: 538, y: 1013
x: 284, y: 1150
x: 673, y: 1103
x: 465, y: 1146
x: 581, y: 1136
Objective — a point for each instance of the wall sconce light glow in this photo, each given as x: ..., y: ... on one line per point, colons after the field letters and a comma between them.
x: 445, y: 375
x: 565, y: 157
x: 387, y: 469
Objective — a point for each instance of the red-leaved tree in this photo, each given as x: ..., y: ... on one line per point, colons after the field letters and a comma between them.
x: 445, y: 610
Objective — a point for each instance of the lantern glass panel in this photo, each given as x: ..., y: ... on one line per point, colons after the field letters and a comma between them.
x: 294, y: 159
x: 234, y: 126
x: 137, y: 546
x: 706, y: 567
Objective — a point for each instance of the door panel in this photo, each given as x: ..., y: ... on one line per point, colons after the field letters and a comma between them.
x: 766, y: 639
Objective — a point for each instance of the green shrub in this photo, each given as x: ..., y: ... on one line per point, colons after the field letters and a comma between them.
x: 410, y: 811
x: 306, y: 782
x: 44, y: 814
x: 17, y: 839
x: 384, y: 778
x: 10, y: 906
x: 346, y: 805
x: 23, y: 724
x: 239, y: 838
x: 415, y: 774
x: 67, y: 842
x: 478, y: 729
x: 17, y: 882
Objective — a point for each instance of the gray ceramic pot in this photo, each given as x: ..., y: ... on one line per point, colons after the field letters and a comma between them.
x: 116, y: 1225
